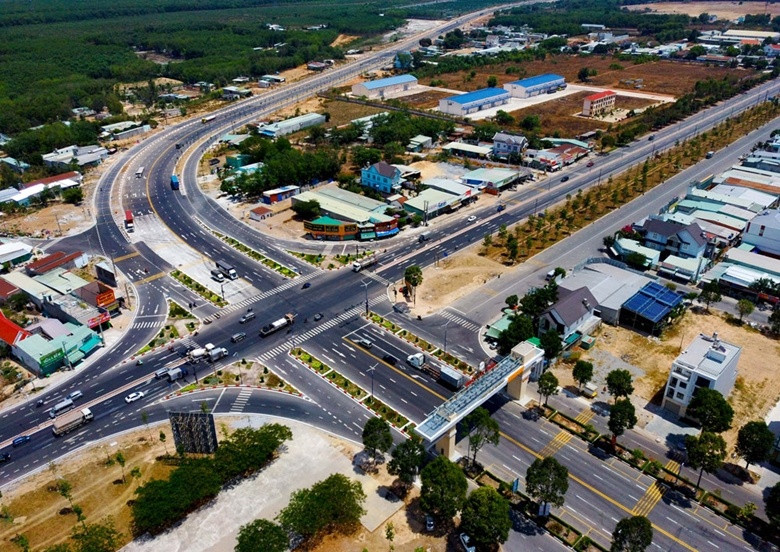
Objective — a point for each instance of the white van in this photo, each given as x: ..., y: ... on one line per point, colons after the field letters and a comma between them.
x: 60, y: 407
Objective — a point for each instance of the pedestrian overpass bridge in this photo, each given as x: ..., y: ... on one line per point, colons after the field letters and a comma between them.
x: 512, y: 373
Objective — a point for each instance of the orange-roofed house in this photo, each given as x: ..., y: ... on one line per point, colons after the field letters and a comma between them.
x: 10, y: 332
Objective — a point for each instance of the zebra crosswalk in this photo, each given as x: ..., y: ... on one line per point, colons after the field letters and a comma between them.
x: 316, y: 330
x: 377, y: 277
x: 459, y: 320
x: 147, y: 324
x: 244, y: 303
x: 241, y: 400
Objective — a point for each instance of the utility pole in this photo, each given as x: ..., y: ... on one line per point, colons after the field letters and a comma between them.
x: 365, y: 285
x: 445, y: 336
x: 371, y: 371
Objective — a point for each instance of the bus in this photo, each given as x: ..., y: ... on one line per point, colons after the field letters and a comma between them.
x: 208, y: 119
x: 139, y: 173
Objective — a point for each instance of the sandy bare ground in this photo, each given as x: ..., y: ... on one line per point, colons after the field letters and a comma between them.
x: 724, y: 10
x: 754, y: 393
x: 343, y: 39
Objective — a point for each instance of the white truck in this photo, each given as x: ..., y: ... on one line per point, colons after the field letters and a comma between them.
x: 70, y: 421
x: 445, y: 374
x: 277, y: 325
x: 217, y: 353
x: 227, y: 269
x: 197, y: 354
x: 365, y: 262
x: 176, y: 374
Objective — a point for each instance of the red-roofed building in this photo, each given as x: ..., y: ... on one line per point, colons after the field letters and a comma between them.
x: 7, y: 289
x: 50, y: 262
x: 598, y: 104
x: 260, y: 213
x: 49, y: 180
x: 772, y: 50
x: 10, y: 332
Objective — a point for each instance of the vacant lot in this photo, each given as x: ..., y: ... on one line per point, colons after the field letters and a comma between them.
x: 665, y: 77
x: 562, y: 114
x: 724, y: 10
x: 425, y: 100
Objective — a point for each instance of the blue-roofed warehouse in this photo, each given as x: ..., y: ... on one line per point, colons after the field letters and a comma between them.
x: 472, y: 102
x: 383, y: 87
x: 650, y: 308
x: 533, y: 86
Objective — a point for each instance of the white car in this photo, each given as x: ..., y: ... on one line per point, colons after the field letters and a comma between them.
x: 132, y: 397
x: 472, y: 218
x: 465, y: 540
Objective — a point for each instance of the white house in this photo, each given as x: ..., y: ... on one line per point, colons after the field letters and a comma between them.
x: 505, y: 144
x: 708, y: 362
x: 763, y: 232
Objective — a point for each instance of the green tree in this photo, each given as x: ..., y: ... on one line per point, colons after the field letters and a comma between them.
x: 705, y: 452
x: 620, y: 383
x: 65, y: 489
x: 162, y: 440
x: 772, y: 505
x: 390, y: 534
x: 547, y: 481
x: 261, y: 535
x: 583, y: 74
x: 608, y: 141
x: 531, y: 122
x: 62, y: 547
x: 636, y: 260
x: 744, y: 307
x: 334, y: 504
x: 632, y: 534
x: 774, y: 321
x: 96, y: 537
x: 503, y: 118
x: 444, y: 488
x: 377, y: 437
x: 407, y: 460
x: 121, y: 460
x: 22, y: 542
x: 492, y: 81
x: 520, y: 328
x: 710, y: 293
x: 512, y: 301
x: 307, y: 210
x: 72, y: 195
x: 482, y: 430
x: 551, y: 343
x: 582, y: 372
x: 754, y: 442
x: 710, y: 408
x: 413, y: 276
x: 622, y: 416
x: 548, y: 386
x: 485, y: 518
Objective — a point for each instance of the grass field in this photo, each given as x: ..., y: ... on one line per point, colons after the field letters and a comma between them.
x: 663, y: 77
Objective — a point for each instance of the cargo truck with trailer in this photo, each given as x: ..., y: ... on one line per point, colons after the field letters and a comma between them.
x: 227, y: 270
x: 70, y: 421
x: 445, y: 374
x: 277, y: 325
x: 365, y: 262
x: 129, y: 222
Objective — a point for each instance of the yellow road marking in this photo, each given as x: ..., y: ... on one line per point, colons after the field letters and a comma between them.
x: 651, y: 497
x: 671, y: 465
x: 151, y: 278
x: 585, y: 416
x: 128, y: 256
x: 556, y: 444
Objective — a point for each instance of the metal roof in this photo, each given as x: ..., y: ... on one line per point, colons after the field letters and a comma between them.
x: 478, y: 95
x: 390, y: 81
x: 537, y: 80
x: 653, y: 302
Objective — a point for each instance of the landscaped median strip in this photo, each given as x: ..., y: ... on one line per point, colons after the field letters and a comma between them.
x: 316, y: 259
x: 198, y: 288
x: 255, y: 255
x: 420, y: 343
x: 355, y: 391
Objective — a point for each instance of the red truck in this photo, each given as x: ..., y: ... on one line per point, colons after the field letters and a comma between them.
x: 129, y: 221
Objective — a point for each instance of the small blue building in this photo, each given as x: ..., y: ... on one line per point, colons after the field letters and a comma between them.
x: 474, y: 101
x: 382, y: 177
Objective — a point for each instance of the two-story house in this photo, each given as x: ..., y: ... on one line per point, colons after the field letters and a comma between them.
x: 707, y: 362
x: 382, y: 177
x: 675, y: 238
x: 505, y: 144
x: 571, y: 313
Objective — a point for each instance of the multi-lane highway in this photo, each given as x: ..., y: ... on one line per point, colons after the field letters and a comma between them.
x: 600, y: 493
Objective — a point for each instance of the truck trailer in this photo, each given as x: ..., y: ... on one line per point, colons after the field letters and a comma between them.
x: 217, y: 353
x: 227, y: 269
x: 174, y: 182
x: 445, y: 374
x: 365, y: 262
x: 277, y: 325
x: 70, y: 421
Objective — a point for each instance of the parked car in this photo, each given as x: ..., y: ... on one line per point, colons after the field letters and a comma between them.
x: 132, y: 397
x: 75, y: 395
x: 429, y: 523
x: 465, y: 540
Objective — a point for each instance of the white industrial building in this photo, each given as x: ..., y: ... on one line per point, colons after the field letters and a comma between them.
x: 464, y: 193
x: 473, y: 102
x: 383, y: 87
x: 533, y: 86
x: 295, y: 124
x: 708, y: 362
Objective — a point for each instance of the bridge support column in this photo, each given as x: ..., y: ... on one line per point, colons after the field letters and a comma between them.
x: 516, y: 387
x: 446, y: 444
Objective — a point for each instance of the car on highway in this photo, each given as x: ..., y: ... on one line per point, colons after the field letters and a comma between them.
x: 501, y: 207
x: 318, y: 317
x: 651, y: 138
x: 365, y: 343
x: 472, y: 218
x: 390, y: 359
x: 247, y: 317
x: 5, y: 457
x: 307, y: 285
x: 236, y: 337
x: 590, y: 164
x: 135, y: 396
x: 465, y: 540
x: 75, y: 395
x: 564, y: 179
x: 19, y: 441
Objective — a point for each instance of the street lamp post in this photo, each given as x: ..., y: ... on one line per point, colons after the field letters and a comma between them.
x: 371, y: 371
x: 365, y: 285
x: 445, y: 336
x: 222, y: 288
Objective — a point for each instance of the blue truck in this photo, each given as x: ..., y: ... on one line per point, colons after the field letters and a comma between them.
x: 174, y: 182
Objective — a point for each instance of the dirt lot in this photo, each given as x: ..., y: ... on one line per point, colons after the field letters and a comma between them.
x: 754, y: 393
x: 425, y: 100
x: 724, y: 10
x: 665, y: 77
x: 562, y: 114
